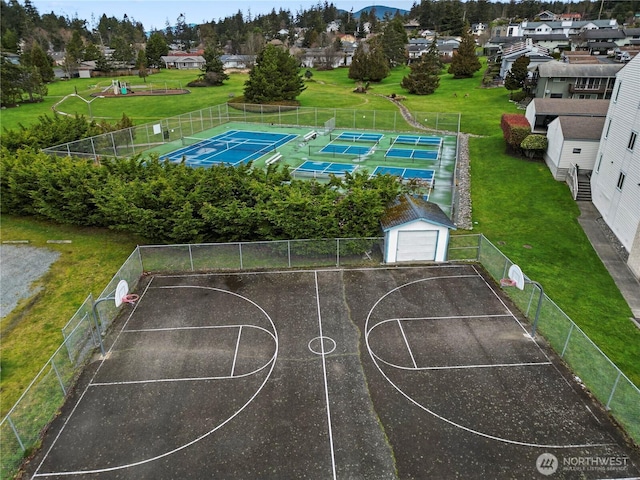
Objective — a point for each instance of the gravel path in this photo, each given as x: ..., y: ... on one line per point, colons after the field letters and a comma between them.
x: 21, y: 267
x: 462, y: 210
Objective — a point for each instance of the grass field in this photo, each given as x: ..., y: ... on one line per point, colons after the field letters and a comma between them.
x: 515, y: 202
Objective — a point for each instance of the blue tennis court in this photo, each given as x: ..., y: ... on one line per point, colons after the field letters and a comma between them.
x: 345, y: 150
x: 324, y: 168
x: 358, y: 137
x: 411, y: 154
x: 419, y: 140
x: 233, y: 147
x: 406, y: 173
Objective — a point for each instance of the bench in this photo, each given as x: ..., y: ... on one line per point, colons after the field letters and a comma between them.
x: 311, y: 135
x: 273, y: 159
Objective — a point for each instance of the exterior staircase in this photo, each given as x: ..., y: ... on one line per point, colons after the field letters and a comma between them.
x: 584, y: 188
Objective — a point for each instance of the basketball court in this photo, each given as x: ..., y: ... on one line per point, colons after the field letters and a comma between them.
x: 413, y: 372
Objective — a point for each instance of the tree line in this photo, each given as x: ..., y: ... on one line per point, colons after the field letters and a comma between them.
x: 168, y: 202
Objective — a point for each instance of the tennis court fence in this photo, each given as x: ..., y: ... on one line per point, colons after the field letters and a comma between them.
x: 140, y: 138
x: 23, y: 425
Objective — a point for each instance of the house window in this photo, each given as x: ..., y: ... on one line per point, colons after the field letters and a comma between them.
x: 621, y: 180
x: 606, y: 133
x: 577, y: 150
x: 615, y: 97
x: 632, y: 140
x: 555, y: 95
x: 599, y: 163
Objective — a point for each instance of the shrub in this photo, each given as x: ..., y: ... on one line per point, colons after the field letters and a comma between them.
x: 534, y: 145
x: 518, y: 96
x: 515, y: 128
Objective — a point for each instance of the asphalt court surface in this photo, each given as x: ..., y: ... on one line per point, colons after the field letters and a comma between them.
x: 422, y: 372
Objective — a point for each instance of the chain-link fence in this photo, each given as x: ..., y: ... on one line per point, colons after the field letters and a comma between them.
x: 21, y: 428
x: 597, y: 372
x: 335, y: 252
x: 138, y: 139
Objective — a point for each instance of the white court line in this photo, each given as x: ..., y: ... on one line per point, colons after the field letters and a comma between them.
x: 204, y: 327
x: 489, y: 365
x: 326, y: 385
x: 406, y: 342
x: 235, y: 354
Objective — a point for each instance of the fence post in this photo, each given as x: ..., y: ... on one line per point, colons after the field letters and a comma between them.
x: 55, y: 369
x: 240, y: 250
x: 15, y: 432
x: 566, y: 342
x: 191, y: 257
x: 613, y: 390
x: 337, y: 252
x: 289, y: 251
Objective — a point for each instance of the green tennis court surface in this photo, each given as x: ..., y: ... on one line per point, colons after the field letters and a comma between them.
x: 422, y: 372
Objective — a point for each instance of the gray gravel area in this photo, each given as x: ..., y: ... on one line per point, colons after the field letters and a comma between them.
x: 21, y: 266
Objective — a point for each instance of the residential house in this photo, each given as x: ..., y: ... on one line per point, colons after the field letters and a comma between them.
x: 573, y: 141
x: 542, y: 111
x: 599, y: 42
x: 546, y: 16
x: 615, y: 181
x: 536, y: 54
x: 556, y: 79
x: 183, y: 62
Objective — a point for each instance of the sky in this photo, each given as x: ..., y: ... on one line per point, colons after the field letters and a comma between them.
x: 155, y: 13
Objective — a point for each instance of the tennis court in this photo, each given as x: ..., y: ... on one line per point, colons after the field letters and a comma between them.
x: 345, y: 149
x: 232, y: 147
x: 357, y: 137
x: 418, y: 140
x: 406, y: 173
x: 411, y: 154
x: 403, y: 372
x: 318, y: 169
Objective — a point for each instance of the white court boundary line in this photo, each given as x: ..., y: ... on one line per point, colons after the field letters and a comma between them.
x: 326, y: 384
x: 436, y: 415
x: 182, y: 447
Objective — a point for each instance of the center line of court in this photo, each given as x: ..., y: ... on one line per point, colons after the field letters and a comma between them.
x: 324, y: 372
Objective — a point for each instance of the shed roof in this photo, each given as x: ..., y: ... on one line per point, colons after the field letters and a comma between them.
x: 408, y: 208
x: 582, y: 128
x: 571, y: 107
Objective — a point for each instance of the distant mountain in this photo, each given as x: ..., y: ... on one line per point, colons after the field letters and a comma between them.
x: 381, y: 11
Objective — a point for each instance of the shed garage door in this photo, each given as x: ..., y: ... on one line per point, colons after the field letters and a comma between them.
x: 416, y: 245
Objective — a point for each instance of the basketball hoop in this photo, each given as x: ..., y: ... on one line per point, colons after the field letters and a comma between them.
x: 130, y: 298
x: 507, y: 282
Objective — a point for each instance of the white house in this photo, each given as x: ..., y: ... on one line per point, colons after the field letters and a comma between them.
x: 415, y: 230
x: 542, y: 111
x: 573, y: 140
x: 615, y: 181
x: 183, y: 62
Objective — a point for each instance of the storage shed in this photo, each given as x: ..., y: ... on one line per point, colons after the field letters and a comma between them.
x: 415, y: 230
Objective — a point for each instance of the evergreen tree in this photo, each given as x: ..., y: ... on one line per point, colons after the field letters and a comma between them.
x: 424, y: 78
x: 274, y: 77
x: 518, y: 74
x: 369, y: 65
x: 141, y: 65
x: 465, y: 62
x: 36, y: 57
x: 394, y: 42
x: 156, y: 48
x: 213, y: 69
x: 74, y: 53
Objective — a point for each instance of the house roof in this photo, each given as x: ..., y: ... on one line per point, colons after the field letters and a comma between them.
x: 182, y: 58
x: 582, y: 128
x: 561, y: 69
x: 601, y: 45
x: 597, y: 34
x: 571, y: 107
x: 408, y: 208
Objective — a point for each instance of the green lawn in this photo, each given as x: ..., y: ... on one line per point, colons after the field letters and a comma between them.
x: 515, y: 202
